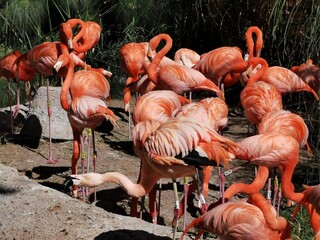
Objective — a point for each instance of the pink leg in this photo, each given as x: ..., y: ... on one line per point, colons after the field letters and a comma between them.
x: 17, y: 108
x: 50, y: 158
x: 10, y: 104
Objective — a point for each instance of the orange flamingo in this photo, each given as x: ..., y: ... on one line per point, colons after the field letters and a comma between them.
x: 310, y: 73
x: 240, y: 219
x: 258, y: 99
x: 83, y: 112
x: 8, y: 69
x: 178, y: 78
x: 164, y: 150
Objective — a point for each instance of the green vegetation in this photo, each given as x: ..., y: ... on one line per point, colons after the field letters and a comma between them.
x: 291, y: 36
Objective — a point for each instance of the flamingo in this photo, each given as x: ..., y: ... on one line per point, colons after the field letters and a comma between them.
x: 84, y: 111
x: 312, y: 196
x: 186, y: 56
x: 166, y: 150
x: 42, y: 58
x: 213, y: 112
x: 211, y: 62
x: 178, y: 78
x: 274, y: 150
x: 288, y: 123
x: 133, y: 60
x: 158, y: 106
x: 311, y: 202
x: 310, y: 73
x: 8, y: 69
x: 243, y: 219
x: 259, y: 98
x: 87, y: 37
x: 282, y: 78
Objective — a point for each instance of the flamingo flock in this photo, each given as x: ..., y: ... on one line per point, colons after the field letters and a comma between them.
x: 175, y: 136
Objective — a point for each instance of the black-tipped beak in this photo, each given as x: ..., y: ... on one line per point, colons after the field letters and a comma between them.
x: 68, y: 183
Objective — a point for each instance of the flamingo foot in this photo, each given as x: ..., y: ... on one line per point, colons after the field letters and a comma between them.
x: 51, y: 160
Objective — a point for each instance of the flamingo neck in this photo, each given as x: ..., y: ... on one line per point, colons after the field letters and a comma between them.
x: 154, y: 43
x: 254, y: 62
x: 254, y: 49
x: 66, y: 86
x: 66, y: 32
x: 133, y: 189
x: 276, y: 223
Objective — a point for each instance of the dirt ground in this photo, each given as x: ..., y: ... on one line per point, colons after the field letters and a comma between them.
x: 114, y: 153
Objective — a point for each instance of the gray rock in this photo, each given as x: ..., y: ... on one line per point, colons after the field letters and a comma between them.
x: 60, y: 126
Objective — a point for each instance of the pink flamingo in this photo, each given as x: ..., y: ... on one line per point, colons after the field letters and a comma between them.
x: 84, y: 111
x: 241, y: 219
x: 164, y: 149
x: 178, y: 78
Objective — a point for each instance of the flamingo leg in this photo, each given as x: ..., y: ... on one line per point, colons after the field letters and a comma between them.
x: 269, y: 191
x: 83, y: 155
x: 10, y: 104
x: 275, y: 191
x: 186, y: 189
x: 50, y: 158
x: 176, y: 209
x: 94, y: 160
x: 17, y: 108
x: 279, y: 200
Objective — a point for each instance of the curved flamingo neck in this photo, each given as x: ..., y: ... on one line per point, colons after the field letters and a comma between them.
x: 66, y: 86
x: 66, y: 32
x: 133, y: 189
x: 276, y: 223
x: 254, y: 49
x: 254, y: 62
x: 154, y: 43
x: 257, y: 184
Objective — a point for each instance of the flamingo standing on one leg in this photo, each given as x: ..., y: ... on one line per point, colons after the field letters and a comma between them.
x: 42, y: 58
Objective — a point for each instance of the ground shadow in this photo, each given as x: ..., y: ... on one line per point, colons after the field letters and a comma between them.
x: 129, y: 235
x: 123, y: 146
x: 46, y: 172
